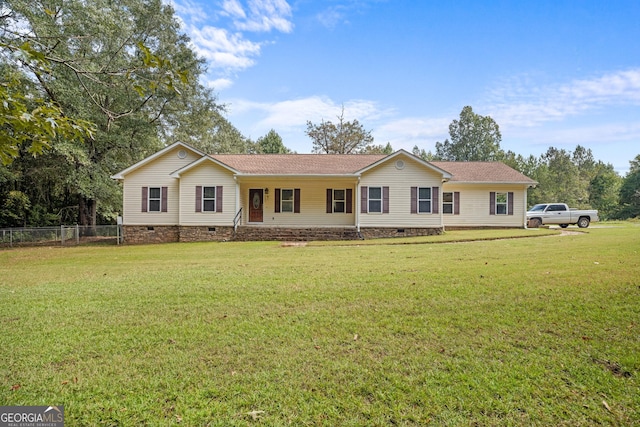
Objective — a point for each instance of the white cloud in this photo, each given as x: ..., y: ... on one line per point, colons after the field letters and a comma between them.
x: 519, y: 103
x: 411, y: 131
x: 295, y: 113
x: 332, y: 16
x: 259, y: 15
x: 219, y: 84
x: 222, y: 49
x: 233, y: 8
x: 229, y: 51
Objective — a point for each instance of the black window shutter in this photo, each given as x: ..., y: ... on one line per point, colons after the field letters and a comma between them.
x: 296, y: 200
x: 164, y: 201
x: 219, y: 198
x: 145, y: 199
x: 364, y: 199
x: 329, y: 200
x: 276, y: 208
x: 385, y: 199
x: 414, y: 200
x: 492, y: 203
x: 198, y: 198
x: 510, y: 203
x: 456, y: 203
x: 435, y: 200
x: 348, y: 201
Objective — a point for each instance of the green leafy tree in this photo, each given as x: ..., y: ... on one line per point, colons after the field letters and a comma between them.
x: 378, y: 149
x: 422, y: 153
x: 122, y: 65
x: 343, y: 137
x: 271, y: 143
x: 30, y: 122
x: 604, y: 191
x: 473, y: 138
x: 14, y: 210
x: 630, y: 191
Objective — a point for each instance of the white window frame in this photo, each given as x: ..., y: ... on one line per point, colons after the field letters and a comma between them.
x: 372, y: 199
x: 208, y: 199
x: 446, y: 203
x: 151, y: 199
x: 504, y: 204
x: 289, y: 203
x: 430, y: 200
x: 337, y: 200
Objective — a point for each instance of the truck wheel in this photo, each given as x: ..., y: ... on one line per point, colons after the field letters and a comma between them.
x: 583, y: 222
x: 564, y: 225
x: 535, y: 223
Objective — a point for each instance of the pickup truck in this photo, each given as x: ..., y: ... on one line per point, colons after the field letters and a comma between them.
x: 559, y: 213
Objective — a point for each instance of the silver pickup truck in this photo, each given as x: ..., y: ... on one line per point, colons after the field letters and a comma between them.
x: 559, y: 213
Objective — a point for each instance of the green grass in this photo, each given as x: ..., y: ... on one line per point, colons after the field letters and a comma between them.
x: 528, y: 331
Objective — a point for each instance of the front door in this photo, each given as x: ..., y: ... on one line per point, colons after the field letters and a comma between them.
x: 255, y: 204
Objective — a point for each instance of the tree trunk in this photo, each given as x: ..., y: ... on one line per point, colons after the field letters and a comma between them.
x: 87, y: 213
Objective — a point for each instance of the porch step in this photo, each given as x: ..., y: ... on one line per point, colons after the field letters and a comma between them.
x: 248, y: 233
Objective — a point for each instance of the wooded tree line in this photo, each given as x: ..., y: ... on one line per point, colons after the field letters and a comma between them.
x: 572, y: 177
x: 87, y: 88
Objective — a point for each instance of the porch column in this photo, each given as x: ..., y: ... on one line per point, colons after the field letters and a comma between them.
x: 237, y: 206
x: 524, y: 205
x: 357, y: 212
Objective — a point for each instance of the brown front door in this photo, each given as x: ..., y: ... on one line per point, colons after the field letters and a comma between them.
x: 255, y: 204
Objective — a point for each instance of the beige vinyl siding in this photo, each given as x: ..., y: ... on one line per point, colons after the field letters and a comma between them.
x: 474, y: 206
x: 154, y: 174
x: 313, y: 198
x: 400, y: 182
x: 207, y: 174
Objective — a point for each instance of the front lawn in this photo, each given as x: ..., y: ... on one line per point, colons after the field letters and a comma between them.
x: 527, y: 331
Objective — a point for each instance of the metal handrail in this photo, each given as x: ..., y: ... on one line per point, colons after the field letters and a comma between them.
x: 236, y: 220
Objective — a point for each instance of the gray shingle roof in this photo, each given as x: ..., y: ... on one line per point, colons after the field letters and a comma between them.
x: 298, y: 164
x: 493, y: 172
x: 344, y: 164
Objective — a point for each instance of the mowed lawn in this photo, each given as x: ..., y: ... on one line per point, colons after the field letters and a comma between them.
x: 529, y: 331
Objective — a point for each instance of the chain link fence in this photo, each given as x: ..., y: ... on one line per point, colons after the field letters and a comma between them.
x: 65, y: 235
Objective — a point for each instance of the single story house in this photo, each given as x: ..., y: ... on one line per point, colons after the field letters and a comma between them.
x: 183, y: 194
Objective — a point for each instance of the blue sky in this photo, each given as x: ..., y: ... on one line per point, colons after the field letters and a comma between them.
x: 550, y: 73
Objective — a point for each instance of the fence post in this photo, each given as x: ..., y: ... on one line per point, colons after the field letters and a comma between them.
x: 11, y: 237
x: 77, y: 235
x: 62, y: 235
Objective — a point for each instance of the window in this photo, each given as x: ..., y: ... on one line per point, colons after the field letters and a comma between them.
x: 501, y: 203
x: 424, y: 200
x: 339, y: 201
x: 375, y: 199
x: 154, y: 199
x: 447, y: 202
x: 286, y: 200
x: 208, y: 199
x: 557, y: 208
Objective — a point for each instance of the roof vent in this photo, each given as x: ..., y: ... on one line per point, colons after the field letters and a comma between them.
x: 182, y: 154
x: 400, y: 164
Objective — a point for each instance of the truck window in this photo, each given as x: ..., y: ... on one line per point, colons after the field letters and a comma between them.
x: 557, y: 208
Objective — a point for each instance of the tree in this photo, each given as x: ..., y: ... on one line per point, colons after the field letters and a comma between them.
x: 604, y: 191
x: 424, y: 155
x: 378, y: 149
x: 30, y: 122
x: 630, y: 191
x: 473, y: 138
x: 344, y: 137
x: 122, y: 65
x: 271, y: 143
